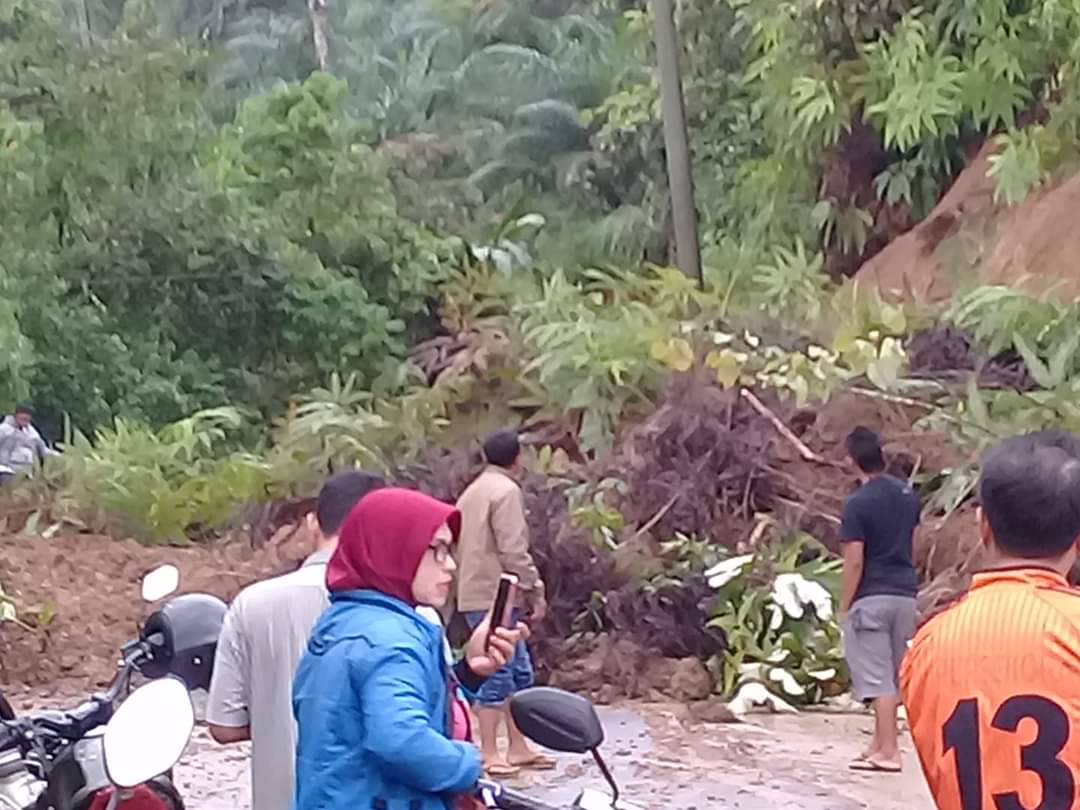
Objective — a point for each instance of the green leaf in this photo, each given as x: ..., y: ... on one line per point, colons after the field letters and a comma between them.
x: 727, y: 365
x: 976, y: 405
x: 1064, y: 358
x: 676, y: 353
x: 1035, y: 366
x: 884, y: 370
x: 893, y: 319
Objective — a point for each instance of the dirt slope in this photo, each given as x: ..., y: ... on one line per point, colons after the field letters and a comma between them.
x: 91, y: 585
x: 968, y: 237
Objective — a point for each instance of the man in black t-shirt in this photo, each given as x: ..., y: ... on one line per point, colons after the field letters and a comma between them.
x: 877, y: 604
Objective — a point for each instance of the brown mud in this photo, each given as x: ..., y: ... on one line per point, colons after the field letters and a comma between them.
x: 83, y: 591
x: 970, y: 238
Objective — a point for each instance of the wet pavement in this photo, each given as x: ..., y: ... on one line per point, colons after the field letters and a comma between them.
x: 662, y: 760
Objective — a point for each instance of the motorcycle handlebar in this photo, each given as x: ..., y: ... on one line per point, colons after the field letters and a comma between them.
x: 507, y: 799
x: 9, y: 734
x: 120, y: 682
x: 68, y: 724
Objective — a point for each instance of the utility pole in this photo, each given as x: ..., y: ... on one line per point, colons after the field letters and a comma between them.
x: 676, y: 142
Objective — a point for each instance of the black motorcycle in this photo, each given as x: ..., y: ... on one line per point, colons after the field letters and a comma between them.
x: 58, y: 759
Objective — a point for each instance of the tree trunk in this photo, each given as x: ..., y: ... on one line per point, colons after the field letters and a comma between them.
x: 319, y: 10
x: 677, y: 142
x: 82, y: 12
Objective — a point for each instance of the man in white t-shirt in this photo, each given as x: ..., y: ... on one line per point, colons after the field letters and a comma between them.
x: 264, y: 636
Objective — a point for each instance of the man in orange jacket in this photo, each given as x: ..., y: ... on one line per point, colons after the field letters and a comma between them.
x: 992, y: 684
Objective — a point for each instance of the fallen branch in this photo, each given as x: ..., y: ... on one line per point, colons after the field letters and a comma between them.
x: 930, y: 407
x: 660, y: 513
x: 896, y: 399
x: 781, y: 428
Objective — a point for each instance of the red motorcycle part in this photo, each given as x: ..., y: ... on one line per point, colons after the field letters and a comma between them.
x: 142, y: 797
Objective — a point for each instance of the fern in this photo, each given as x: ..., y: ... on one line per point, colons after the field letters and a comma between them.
x: 1017, y: 167
x: 995, y: 314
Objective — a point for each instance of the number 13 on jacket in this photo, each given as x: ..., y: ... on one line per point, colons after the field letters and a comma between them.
x: 992, y: 692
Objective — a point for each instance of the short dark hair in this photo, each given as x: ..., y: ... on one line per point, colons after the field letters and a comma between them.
x: 22, y: 407
x: 502, y: 448
x: 864, y: 447
x: 340, y: 494
x: 1029, y: 490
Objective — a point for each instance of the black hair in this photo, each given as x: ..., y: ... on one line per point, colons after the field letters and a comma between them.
x: 22, y: 407
x: 340, y: 494
x: 864, y: 447
x: 502, y: 448
x: 1029, y: 490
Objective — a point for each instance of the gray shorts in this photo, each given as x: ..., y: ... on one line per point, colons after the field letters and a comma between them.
x: 876, y: 632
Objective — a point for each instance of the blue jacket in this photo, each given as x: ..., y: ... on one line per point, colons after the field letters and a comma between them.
x: 371, y: 704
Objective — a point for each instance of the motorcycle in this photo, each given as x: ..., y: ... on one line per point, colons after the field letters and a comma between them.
x: 60, y: 760
x: 562, y: 722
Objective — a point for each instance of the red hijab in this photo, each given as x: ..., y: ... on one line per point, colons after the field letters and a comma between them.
x: 383, y: 540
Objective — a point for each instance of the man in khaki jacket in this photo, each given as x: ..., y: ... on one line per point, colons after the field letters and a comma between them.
x: 495, y: 539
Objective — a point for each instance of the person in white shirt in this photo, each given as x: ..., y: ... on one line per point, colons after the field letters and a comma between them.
x: 20, y: 443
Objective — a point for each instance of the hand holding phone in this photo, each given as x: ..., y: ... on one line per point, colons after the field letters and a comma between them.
x: 502, y: 613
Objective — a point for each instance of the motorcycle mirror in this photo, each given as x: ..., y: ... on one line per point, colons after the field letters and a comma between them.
x: 557, y: 720
x: 160, y: 582
x: 148, y: 733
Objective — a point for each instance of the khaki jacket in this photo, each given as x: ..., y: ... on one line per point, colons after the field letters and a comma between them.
x: 494, y: 539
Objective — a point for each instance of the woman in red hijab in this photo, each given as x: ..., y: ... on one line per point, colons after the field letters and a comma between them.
x: 373, y: 694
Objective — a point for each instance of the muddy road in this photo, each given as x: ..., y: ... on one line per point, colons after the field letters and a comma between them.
x: 663, y: 761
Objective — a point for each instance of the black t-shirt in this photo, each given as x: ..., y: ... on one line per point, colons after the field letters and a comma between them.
x: 883, y: 514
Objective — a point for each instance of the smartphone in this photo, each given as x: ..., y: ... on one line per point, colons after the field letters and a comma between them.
x: 502, y: 613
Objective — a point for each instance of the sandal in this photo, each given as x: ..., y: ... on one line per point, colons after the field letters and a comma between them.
x: 871, y: 765
x: 537, y: 762
x: 501, y: 770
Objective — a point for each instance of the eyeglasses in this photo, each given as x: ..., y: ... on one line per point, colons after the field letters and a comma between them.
x: 442, y: 553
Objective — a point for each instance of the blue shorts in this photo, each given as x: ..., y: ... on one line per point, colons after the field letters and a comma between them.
x: 514, y: 677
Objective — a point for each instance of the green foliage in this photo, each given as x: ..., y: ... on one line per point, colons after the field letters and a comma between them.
x: 163, y: 484
x: 791, y: 284
x: 157, y: 264
x: 775, y: 607
x: 589, y: 509
x: 810, y: 372
x: 685, y: 556
x: 1046, y: 337
x: 928, y: 79
x: 590, y: 355
x: 344, y: 426
x: 1001, y: 318
x: 358, y: 273
x: 912, y: 86
x: 1017, y: 167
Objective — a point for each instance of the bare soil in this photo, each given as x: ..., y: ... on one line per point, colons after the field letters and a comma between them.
x: 90, y: 585
x: 969, y: 237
